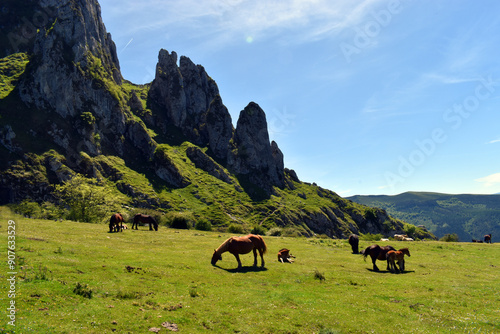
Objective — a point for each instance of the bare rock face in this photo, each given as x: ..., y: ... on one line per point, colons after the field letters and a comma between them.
x: 74, y: 72
x: 167, y: 92
x: 186, y: 98
x: 253, y: 157
x: 76, y: 42
x: 218, y: 129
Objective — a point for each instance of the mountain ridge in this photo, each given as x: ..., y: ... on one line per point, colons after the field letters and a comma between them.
x: 166, y: 145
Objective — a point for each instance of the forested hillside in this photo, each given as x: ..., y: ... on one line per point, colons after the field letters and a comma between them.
x: 469, y: 216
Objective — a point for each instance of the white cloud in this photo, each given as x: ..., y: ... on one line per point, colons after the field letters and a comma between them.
x: 494, y: 141
x: 227, y: 20
x: 489, y: 180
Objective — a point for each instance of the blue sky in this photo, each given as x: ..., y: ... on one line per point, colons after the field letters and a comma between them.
x: 363, y: 97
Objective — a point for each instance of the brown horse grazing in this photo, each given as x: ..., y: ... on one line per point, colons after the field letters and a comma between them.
x: 285, y: 256
x: 393, y: 256
x: 487, y: 238
x: 377, y: 253
x: 241, y: 245
x: 354, y: 242
x: 114, y: 223
x: 145, y: 219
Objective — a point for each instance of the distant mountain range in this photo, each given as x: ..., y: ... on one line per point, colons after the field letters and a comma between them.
x: 469, y: 216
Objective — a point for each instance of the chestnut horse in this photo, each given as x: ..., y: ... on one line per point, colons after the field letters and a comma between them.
x: 241, y: 245
x: 145, y: 219
x: 285, y: 256
x: 116, y: 223
x: 487, y: 238
x: 354, y: 242
x: 393, y: 256
x: 377, y: 253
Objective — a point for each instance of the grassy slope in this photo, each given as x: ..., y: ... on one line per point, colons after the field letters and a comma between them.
x: 448, y: 287
x: 469, y: 216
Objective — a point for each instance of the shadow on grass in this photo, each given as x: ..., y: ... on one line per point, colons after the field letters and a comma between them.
x: 244, y: 269
x: 390, y: 272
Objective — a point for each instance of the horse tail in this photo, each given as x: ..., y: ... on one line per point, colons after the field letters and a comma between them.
x: 264, y: 246
x: 365, y: 252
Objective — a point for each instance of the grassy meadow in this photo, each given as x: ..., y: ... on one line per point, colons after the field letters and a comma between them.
x: 139, y: 280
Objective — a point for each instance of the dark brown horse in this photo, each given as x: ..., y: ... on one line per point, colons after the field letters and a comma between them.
x: 377, y: 253
x: 241, y: 245
x: 399, y: 255
x: 116, y: 223
x: 354, y: 242
x: 145, y: 219
x: 487, y: 238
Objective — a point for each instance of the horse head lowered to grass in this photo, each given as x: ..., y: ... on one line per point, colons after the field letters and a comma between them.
x: 145, y: 219
x: 116, y: 223
x: 242, y: 245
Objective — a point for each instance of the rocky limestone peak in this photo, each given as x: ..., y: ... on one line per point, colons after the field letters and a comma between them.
x: 167, y: 92
x: 218, y: 129
x: 75, y: 46
x: 199, y: 88
x: 186, y: 97
x: 74, y: 72
x: 253, y: 155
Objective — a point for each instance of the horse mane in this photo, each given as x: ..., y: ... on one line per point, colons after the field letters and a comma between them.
x: 405, y: 251
x: 224, y: 246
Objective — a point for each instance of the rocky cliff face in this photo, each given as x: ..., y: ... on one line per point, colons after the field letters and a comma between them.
x: 74, y: 77
x: 253, y: 156
x: 185, y: 97
x: 74, y: 72
x: 68, y: 110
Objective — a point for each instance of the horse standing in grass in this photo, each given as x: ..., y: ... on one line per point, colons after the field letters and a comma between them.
x: 116, y: 223
x: 145, y: 219
x: 354, y: 242
x: 393, y: 256
x: 487, y: 238
x: 377, y: 253
x: 241, y: 245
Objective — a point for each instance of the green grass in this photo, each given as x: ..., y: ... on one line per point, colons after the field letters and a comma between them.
x: 11, y: 68
x: 140, y: 279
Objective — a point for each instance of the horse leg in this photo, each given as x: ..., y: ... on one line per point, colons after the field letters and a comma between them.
x: 374, y: 258
x: 238, y: 259
x: 261, y: 252
x: 255, y: 257
x: 150, y: 226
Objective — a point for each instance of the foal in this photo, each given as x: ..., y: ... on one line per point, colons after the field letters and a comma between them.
x: 393, y: 256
